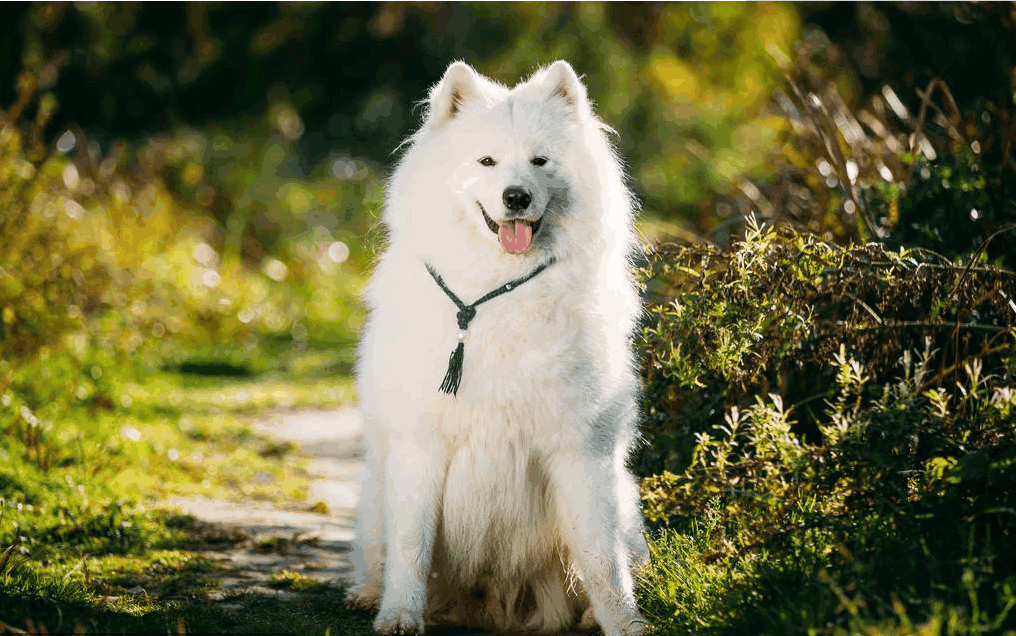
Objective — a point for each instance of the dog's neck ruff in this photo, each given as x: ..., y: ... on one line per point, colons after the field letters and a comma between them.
x: 466, y: 313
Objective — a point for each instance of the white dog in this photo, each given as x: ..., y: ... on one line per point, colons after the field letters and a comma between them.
x: 495, y: 372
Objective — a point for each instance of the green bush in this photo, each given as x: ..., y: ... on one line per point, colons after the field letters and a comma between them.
x: 53, y: 282
x: 844, y: 418
x: 958, y: 204
x: 769, y: 315
x: 290, y: 248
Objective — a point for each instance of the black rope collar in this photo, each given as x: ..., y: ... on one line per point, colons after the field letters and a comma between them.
x: 466, y: 313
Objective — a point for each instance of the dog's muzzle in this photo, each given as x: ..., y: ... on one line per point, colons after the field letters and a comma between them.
x: 514, y: 234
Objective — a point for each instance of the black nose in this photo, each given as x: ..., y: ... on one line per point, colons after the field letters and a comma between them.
x: 516, y: 199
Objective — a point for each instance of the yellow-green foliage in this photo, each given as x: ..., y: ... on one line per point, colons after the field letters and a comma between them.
x: 264, y: 251
x: 53, y: 283
x: 769, y: 314
x: 106, y: 274
x: 843, y: 418
x: 48, y: 277
x: 711, y: 70
x: 194, y: 240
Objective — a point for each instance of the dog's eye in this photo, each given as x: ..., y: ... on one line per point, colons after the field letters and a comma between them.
x: 487, y: 162
x: 539, y: 161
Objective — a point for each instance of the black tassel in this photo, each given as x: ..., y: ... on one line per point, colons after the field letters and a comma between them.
x: 454, y: 374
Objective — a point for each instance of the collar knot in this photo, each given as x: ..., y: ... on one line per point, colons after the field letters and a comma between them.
x: 464, y: 315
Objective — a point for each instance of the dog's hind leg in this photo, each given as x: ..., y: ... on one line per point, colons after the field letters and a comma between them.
x: 415, y: 468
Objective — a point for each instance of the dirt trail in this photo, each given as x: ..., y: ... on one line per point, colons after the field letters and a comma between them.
x: 273, y: 538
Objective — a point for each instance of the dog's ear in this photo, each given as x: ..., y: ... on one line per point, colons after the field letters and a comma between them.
x: 562, y: 82
x: 558, y: 84
x: 459, y: 86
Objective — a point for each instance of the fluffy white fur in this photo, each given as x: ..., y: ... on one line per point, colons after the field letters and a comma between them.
x: 509, y: 505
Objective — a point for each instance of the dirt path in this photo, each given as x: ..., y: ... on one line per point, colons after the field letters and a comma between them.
x: 261, y: 539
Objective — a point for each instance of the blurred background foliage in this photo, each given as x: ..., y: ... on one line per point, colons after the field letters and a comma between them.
x: 203, y: 181
x: 196, y: 188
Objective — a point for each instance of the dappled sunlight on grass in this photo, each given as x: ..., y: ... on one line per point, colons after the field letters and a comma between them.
x: 215, y: 395
x: 87, y: 530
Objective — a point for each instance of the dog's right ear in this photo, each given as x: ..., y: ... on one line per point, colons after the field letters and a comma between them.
x: 459, y: 86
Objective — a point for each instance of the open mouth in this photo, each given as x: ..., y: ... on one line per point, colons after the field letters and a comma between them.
x: 515, y: 235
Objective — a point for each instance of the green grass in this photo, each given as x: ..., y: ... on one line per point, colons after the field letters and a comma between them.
x: 86, y: 552
x: 87, y: 547
x: 874, y: 581
x: 85, y: 542
x: 73, y: 608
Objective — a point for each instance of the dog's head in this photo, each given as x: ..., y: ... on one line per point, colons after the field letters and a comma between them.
x: 514, y: 151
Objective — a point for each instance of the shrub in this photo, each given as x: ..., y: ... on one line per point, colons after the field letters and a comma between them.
x: 53, y: 281
x: 843, y: 416
x: 769, y: 314
x: 114, y: 266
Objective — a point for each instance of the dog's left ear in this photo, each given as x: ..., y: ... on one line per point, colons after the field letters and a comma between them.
x: 561, y: 82
x: 459, y: 85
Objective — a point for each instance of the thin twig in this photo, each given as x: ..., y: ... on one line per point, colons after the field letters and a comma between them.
x: 4, y: 627
x: 977, y: 255
x: 919, y: 129
x: 922, y: 324
x: 867, y: 308
x: 946, y: 371
x: 76, y: 567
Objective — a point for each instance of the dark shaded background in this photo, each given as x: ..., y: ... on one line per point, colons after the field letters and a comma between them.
x: 130, y: 70
x: 698, y: 93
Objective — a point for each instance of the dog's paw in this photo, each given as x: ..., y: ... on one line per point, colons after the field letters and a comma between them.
x: 397, y: 621
x: 636, y: 628
x: 631, y: 626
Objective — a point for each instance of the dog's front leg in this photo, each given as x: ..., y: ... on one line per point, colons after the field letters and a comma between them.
x: 587, y: 494
x: 414, y: 474
x: 368, y: 555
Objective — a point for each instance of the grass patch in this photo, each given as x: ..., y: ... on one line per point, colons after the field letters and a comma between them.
x: 84, y: 543
x: 879, y: 579
x: 314, y: 611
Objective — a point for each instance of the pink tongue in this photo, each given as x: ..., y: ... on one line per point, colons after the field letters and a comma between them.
x: 515, y: 237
